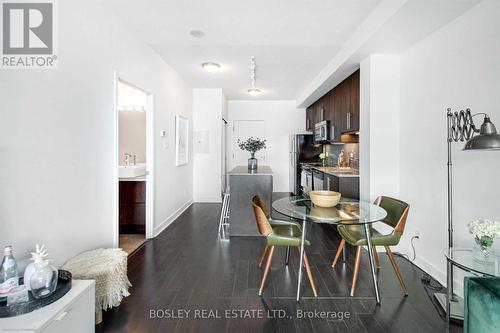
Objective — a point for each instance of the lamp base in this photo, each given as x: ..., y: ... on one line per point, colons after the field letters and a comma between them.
x: 456, y: 306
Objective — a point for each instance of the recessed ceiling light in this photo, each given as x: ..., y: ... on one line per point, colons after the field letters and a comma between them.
x: 254, y: 91
x: 197, y: 33
x: 210, y: 67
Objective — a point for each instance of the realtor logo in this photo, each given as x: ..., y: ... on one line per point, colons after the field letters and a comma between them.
x: 28, y: 34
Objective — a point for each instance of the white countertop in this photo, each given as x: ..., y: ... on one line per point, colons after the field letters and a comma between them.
x: 134, y: 179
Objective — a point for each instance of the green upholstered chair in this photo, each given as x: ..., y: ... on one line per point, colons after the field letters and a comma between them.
x: 397, y: 212
x: 278, y: 233
x: 482, y: 304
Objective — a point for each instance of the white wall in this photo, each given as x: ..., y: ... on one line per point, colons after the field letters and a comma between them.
x: 57, y: 139
x: 281, y: 118
x: 457, y: 67
x: 208, y: 109
x: 379, y: 126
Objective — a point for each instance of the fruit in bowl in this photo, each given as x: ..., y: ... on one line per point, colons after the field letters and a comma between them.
x: 325, y: 199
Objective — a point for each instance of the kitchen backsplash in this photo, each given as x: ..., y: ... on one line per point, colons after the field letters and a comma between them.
x: 348, y: 148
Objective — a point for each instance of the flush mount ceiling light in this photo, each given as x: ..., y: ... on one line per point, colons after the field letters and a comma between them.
x: 210, y: 67
x: 253, y: 65
x: 197, y: 33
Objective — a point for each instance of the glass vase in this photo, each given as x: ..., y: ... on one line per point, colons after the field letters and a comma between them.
x: 252, y: 163
x: 482, y: 248
x: 43, y: 281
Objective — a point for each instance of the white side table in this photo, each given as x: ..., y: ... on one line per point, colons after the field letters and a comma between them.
x: 74, y: 312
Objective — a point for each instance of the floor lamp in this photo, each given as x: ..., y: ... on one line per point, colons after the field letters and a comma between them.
x: 461, y: 128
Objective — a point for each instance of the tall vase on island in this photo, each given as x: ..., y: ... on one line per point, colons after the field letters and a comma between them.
x: 252, y: 145
x: 252, y: 162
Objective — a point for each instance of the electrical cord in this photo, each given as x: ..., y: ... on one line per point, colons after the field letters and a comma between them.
x: 407, y: 257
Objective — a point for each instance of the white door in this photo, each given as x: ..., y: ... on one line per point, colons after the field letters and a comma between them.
x: 244, y: 129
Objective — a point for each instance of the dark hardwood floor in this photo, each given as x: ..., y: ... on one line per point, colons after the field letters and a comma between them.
x: 187, y: 267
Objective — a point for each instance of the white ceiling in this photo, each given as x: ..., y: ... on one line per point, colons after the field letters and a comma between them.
x: 292, y: 40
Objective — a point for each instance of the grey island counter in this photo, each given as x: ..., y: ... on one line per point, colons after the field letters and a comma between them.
x: 243, y: 185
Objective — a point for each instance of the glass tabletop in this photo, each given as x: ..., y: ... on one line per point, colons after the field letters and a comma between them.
x: 348, y: 211
x: 468, y: 260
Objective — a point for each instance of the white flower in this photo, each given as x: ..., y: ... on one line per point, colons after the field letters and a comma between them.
x: 484, y: 227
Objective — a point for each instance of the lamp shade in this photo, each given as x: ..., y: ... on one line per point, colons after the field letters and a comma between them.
x: 488, y: 139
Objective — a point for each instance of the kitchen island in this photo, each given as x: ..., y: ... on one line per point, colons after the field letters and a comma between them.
x: 243, y: 185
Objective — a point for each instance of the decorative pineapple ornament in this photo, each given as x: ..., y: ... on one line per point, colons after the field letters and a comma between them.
x: 38, y: 256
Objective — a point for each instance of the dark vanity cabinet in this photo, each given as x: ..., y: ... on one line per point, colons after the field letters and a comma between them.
x: 132, y: 207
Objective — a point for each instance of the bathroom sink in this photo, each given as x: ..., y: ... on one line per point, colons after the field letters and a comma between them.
x: 132, y: 171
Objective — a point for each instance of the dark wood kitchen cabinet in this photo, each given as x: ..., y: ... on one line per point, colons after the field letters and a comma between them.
x: 348, y: 186
x: 352, y: 108
x: 314, y: 114
x: 340, y: 106
x: 309, y: 118
x: 132, y: 196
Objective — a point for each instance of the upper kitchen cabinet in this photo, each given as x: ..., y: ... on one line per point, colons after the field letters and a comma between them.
x: 314, y: 114
x: 340, y: 106
x: 320, y: 111
x: 352, y: 116
x: 310, y: 118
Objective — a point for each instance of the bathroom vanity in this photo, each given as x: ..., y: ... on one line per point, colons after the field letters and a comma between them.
x: 133, y: 205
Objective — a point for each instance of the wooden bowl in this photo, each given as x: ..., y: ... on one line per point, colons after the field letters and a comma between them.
x: 325, y: 199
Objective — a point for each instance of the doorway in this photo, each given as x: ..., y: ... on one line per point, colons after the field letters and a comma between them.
x: 134, y: 156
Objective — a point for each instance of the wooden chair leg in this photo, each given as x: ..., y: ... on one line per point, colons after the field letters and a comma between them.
x: 375, y: 255
x: 266, y: 270
x: 263, y: 256
x: 356, y: 269
x: 396, y: 270
x: 309, y: 275
x: 339, y: 251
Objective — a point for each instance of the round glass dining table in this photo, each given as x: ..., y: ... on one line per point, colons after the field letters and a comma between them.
x: 347, y: 212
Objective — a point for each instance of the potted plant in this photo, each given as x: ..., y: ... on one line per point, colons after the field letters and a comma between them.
x: 252, y: 145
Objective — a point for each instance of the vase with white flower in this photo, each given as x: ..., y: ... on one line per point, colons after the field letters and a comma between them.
x: 324, y: 158
x: 484, y: 232
x: 252, y: 145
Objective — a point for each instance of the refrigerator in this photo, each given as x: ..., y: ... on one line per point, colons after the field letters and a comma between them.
x: 302, y: 150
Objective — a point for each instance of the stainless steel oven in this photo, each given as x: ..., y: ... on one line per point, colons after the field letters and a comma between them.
x: 307, y: 180
x: 318, y: 180
x: 322, y: 131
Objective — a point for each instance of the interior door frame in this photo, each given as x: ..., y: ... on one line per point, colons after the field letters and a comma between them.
x: 150, y: 149
x: 224, y: 179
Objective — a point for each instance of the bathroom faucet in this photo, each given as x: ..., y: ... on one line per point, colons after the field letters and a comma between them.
x: 127, y: 159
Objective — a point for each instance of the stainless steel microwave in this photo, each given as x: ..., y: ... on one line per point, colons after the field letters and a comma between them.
x: 322, y: 131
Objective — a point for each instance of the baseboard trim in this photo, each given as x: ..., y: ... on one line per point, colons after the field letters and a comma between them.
x: 171, y: 218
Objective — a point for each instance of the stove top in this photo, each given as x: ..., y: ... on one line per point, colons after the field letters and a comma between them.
x: 309, y: 165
